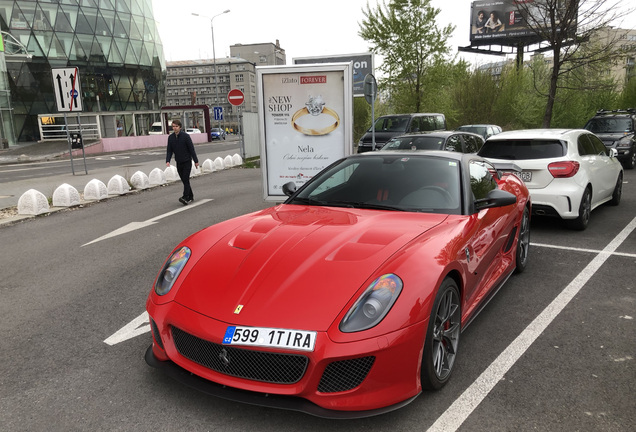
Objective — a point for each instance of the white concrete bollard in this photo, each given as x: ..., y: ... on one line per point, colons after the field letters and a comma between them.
x: 66, y: 196
x: 237, y: 159
x: 33, y: 202
x: 228, y: 161
x: 208, y: 166
x: 118, y: 185
x: 171, y: 173
x: 95, y: 190
x: 194, y: 171
x: 157, y: 177
x: 139, y: 180
x: 218, y: 164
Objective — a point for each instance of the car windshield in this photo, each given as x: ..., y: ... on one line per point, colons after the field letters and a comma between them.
x: 609, y: 125
x: 391, y: 124
x: 522, y: 149
x: 387, y: 182
x: 415, y: 143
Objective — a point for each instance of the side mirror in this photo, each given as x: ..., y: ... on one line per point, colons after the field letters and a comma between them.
x: 613, y: 152
x: 495, y: 198
x: 289, y: 188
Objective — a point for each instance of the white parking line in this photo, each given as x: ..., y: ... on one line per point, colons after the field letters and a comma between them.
x: 595, y: 251
x: 463, y: 406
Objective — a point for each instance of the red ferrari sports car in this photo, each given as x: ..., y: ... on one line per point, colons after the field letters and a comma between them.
x: 348, y: 299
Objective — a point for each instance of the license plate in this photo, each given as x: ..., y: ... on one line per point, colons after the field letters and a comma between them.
x: 526, y: 176
x: 270, y: 337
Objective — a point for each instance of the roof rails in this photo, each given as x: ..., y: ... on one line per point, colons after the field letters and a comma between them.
x: 617, y: 111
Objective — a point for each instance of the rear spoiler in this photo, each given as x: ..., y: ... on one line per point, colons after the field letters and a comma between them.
x: 505, y: 168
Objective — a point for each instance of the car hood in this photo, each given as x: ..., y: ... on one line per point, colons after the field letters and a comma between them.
x: 610, y: 137
x: 293, y: 266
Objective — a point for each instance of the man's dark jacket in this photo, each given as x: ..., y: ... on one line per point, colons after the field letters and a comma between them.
x: 182, y: 147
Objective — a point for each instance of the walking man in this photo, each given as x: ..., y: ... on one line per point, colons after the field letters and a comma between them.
x: 180, y: 144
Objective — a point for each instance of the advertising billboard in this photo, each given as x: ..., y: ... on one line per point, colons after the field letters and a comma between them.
x: 305, y: 117
x: 505, y: 22
x: 362, y: 65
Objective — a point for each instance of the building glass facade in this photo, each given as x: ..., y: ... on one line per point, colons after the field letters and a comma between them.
x: 114, y: 43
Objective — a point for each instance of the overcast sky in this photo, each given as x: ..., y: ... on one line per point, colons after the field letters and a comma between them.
x: 304, y: 29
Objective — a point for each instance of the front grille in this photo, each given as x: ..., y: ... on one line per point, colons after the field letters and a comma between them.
x: 155, y: 333
x: 263, y: 366
x: 344, y: 375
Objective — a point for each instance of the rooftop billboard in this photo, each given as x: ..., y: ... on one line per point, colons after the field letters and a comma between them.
x: 505, y: 22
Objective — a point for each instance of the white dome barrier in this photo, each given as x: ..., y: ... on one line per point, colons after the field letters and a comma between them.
x: 66, y: 196
x: 139, y: 180
x: 194, y: 171
x: 118, y: 185
x: 95, y: 190
x: 157, y: 177
x: 218, y: 164
x: 208, y: 166
x: 237, y: 159
x: 171, y: 173
x: 33, y: 202
x: 228, y: 161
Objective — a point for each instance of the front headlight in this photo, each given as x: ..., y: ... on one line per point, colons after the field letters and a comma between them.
x: 171, y: 270
x: 373, y: 304
x: 624, y: 142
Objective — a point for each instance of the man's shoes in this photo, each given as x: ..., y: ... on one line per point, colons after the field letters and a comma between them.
x: 183, y: 201
x: 189, y: 200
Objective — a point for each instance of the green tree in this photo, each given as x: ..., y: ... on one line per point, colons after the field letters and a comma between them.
x: 565, y: 26
x: 405, y: 34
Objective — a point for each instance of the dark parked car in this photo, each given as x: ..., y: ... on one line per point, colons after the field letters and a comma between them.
x: 485, y: 130
x: 388, y: 126
x: 616, y: 130
x: 461, y: 142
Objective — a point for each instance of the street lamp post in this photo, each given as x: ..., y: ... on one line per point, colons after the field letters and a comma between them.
x: 216, y: 80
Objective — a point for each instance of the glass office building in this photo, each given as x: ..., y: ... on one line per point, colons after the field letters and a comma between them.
x: 114, y: 43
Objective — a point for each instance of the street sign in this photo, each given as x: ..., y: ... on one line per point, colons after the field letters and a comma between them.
x: 235, y: 97
x: 218, y: 113
x: 370, y: 88
x: 66, y: 82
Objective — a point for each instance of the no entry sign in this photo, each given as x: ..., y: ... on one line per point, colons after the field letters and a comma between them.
x: 235, y: 97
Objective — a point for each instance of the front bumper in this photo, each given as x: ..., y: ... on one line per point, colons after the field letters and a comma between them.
x: 391, y: 382
x: 261, y: 399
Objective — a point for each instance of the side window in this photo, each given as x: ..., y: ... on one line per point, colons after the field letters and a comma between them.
x: 415, y: 124
x: 585, y: 146
x: 454, y: 143
x: 599, y: 147
x: 472, y: 144
x: 481, y: 178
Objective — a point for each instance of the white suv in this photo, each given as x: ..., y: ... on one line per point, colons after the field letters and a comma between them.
x: 568, y: 172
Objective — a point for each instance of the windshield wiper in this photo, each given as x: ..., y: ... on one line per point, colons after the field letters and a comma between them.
x: 309, y: 201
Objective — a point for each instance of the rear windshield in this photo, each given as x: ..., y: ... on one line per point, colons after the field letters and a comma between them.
x: 522, y: 149
x: 609, y: 125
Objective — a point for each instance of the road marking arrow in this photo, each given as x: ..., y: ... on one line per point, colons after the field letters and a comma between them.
x: 133, y: 226
x: 136, y: 327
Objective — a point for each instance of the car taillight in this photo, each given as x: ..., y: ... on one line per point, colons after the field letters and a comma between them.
x: 563, y: 169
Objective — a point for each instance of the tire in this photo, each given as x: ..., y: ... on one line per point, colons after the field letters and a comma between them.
x: 618, y: 191
x: 523, y: 242
x: 442, y: 337
x: 585, y: 209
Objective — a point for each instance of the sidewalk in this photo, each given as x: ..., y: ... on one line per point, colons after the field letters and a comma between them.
x: 33, y: 152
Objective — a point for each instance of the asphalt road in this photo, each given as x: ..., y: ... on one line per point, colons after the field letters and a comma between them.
x: 554, y: 350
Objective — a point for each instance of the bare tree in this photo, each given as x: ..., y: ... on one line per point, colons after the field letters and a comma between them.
x: 567, y: 27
